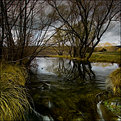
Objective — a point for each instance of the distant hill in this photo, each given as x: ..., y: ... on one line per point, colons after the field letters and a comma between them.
x: 106, y: 44
x: 107, y: 48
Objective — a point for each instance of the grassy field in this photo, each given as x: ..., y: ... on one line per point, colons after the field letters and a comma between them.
x: 113, y: 57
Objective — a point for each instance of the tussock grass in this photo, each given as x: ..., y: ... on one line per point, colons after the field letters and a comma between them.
x: 13, y: 102
x: 13, y: 73
x: 114, y: 81
x: 13, y: 96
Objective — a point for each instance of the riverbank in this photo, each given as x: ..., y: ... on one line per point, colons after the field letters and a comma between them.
x: 59, y: 91
x: 14, y: 95
x: 113, y: 104
x: 111, y: 57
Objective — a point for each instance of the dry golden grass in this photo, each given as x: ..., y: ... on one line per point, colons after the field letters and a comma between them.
x: 13, y: 73
x: 115, y: 77
x: 115, y: 81
x: 13, y: 99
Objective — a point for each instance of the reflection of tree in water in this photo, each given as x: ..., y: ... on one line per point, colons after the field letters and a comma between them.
x: 72, y: 70
x: 66, y: 100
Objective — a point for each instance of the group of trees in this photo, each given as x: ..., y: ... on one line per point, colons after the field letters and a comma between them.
x: 26, y: 26
x: 85, y: 21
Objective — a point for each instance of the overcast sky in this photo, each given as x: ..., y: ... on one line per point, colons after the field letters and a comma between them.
x: 113, y: 33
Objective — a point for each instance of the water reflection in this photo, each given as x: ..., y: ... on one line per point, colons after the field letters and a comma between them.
x: 66, y: 69
x: 102, y: 71
x: 65, y: 89
x: 75, y: 69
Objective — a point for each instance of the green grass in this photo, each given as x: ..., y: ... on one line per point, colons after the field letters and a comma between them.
x: 113, y: 57
x: 116, y: 109
x: 13, y: 99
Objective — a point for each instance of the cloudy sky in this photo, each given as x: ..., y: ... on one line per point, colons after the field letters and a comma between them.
x: 112, y: 35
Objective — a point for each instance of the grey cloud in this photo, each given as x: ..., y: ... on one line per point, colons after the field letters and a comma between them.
x: 112, y: 35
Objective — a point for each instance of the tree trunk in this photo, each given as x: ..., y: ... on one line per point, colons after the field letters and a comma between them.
x: 24, y: 31
x: 92, y: 50
x: 74, y: 51
x: 0, y: 50
x: 81, y: 53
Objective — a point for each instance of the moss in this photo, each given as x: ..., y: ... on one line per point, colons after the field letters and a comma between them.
x: 69, y: 105
x: 13, y: 99
x: 72, y: 107
x: 113, y: 104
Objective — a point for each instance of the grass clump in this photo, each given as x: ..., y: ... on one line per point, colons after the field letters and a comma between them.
x: 115, y: 81
x: 13, y: 95
x: 13, y: 73
x: 13, y: 102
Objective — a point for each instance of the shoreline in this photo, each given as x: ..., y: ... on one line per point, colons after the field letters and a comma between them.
x: 96, y: 57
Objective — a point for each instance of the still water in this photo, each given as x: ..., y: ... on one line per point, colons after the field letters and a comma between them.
x: 65, y: 90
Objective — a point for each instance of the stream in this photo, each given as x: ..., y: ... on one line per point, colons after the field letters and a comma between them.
x: 65, y: 90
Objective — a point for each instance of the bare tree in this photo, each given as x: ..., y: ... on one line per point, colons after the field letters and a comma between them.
x: 25, y: 25
x: 87, y: 20
x: 60, y: 39
x: 24, y: 28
